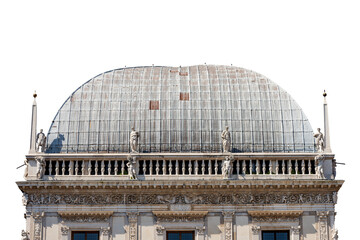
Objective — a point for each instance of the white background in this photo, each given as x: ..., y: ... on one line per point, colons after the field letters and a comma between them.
x: 54, y: 47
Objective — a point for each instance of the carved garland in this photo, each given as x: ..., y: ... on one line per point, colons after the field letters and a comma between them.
x: 85, y: 217
x: 212, y: 198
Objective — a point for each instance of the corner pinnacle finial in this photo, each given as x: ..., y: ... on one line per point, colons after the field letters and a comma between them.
x: 35, y: 95
x: 324, y: 94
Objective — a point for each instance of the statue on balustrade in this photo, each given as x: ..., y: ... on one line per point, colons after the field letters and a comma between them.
x: 319, y: 163
x: 131, y: 167
x: 24, y: 235
x: 134, y: 138
x: 319, y: 140
x: 40, y: 167
x: 227, y: 167
x: 226, y: 139
x: 40, y: 141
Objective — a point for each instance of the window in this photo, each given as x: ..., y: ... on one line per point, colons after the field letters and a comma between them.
x: 85, y: 236
x: 182, y: 235
x: 275, y: 235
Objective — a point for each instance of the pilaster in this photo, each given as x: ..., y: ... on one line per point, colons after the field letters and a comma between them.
x: 228, y: 224
x: 133, y: 222
x: 323, y: 225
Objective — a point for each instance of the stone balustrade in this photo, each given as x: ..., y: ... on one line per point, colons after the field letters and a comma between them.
x: 149, y: 167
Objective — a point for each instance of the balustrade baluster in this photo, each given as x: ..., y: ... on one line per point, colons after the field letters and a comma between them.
x: 296, y: 167
x: 302, y: 167
x: 57, y: 167
x: 289, y: 167
x: 251, y: 167
x: 237, y: 167
x: 76, y: 167
x: 196, y: 167
x: 157, y: 167
x: 263, y: 167
x: 216, y: 167
x: 96, y: 167
x: 144, y: 167
x: 164, y: 167
x: 102, y: 167
x: 83, y: 167
x: 257, y: 167
x: 190, y: 167
x: 50, y: 167
x: 209, y: 167
x: 122, y: 162
x: 150, y: 168
x: 109, y: 167
x: 116, y: 167
x: 283, y: 167
x: 89, y: 168
x: 170, y: 167
x: 276, y: 167
x: 63, y: 168
x: 243, y: 166
x: 270, y: 167
x: 183, y: 167
x: 309, y: 166
x: 176, y: 167
x: 203, y: 167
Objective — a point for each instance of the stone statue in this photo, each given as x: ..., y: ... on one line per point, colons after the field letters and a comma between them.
x: 24, y: 235
x: 26, y: 172
x: 40, y: 141
x: 226, y: 139
x: 227, y: 167
x: 319, y: 140
x: 319, y: 163
x: 40, y: 167
x: 131, y: 167
x: 134, y: 138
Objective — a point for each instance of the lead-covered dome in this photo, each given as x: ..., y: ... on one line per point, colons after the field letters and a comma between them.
x: 180, y: 109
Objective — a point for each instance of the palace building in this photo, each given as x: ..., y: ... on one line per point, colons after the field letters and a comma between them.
x: 180, y: 153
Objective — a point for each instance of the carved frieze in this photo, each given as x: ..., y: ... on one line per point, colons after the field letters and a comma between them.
x: 179, y: 216
x: 85, y: 217
x: 275, y: 216
x: 211, y: 198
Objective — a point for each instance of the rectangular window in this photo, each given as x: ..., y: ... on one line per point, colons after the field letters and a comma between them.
x: 85, y: 235
x: 180, y: 235
x: 275, y: 235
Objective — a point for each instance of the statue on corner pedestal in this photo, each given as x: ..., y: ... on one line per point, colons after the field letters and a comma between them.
x: 134, y: 138
x: 319, y: 140
x: 40, y: 167
x: 226, y: 139
x: 40, y: 141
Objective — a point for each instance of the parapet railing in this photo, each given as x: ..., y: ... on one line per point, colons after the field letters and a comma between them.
x: 182, y: 166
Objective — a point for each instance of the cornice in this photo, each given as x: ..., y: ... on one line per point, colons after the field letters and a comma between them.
x: 270, y: 184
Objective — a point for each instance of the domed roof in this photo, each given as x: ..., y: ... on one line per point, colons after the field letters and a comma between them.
x: 180, y: 109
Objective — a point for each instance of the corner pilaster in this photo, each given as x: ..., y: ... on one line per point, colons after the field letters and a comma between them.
x: 323, y: 224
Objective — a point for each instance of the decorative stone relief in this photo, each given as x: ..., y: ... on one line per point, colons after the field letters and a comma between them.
x: 131, y: 164
x: 323, y: 224
x: 105, y: 231
x: 179, y: 216
x: 25, y: 235
x: 255, y: 229
x: 211, y: 198
x: 40, y: 167
x: 228, y: 224
x: 334, y: 234
x: 25, y: 199
x: 37, y: 216
x: 200, y: 230
x: 132, y: 218
x: 64, y: 231
x: 159, y: 230
x: 275, y: 216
